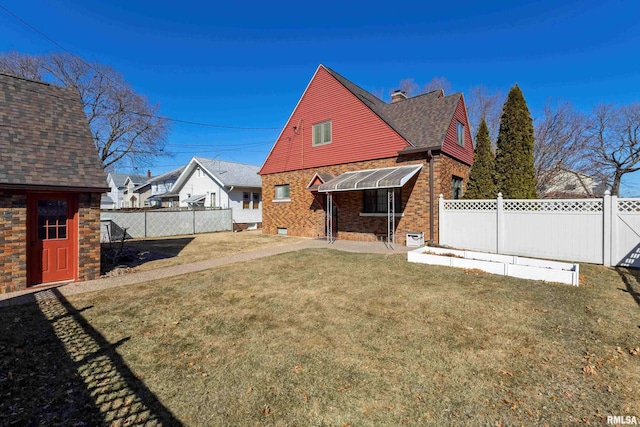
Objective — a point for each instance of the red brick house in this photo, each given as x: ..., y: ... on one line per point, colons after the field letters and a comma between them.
x: 50, y: 185
x: 348, y: 165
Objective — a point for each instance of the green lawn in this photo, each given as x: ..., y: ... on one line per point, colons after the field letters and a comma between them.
x: 321, y: 337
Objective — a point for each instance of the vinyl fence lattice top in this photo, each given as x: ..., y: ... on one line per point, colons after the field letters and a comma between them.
x: 470, y: 205
x: 553, y: 205
x: 628, y: 205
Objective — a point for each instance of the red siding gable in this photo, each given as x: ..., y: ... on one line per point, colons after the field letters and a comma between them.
x: 358, y: 134
x: 450, y: 144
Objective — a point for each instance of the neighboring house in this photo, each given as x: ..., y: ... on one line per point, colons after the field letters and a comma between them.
x: 345, y: 157
x: 116, y: 183
x: 106, y: 202
x: 132, y: 199
x: 569, y: 184
x: 51, y: 182
x: 211, y: 183
x: 156, y: 192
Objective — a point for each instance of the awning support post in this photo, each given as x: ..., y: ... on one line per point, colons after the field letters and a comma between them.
x: 330, y: 236
x: 391, y: 218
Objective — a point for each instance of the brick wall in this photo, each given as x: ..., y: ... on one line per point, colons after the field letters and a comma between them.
x: 13, y: 241
x: 88, y: 236
x: 304, y: 215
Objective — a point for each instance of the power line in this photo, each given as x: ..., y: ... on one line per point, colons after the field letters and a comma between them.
x: 188, y: 122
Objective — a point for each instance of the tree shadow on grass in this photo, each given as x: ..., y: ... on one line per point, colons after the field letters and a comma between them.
x: 631, y: 278
x: 137, y: 252
x: 56, y: 369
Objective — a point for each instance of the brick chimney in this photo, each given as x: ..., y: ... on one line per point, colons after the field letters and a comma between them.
x: 398, y: 95
x: 148, y: 173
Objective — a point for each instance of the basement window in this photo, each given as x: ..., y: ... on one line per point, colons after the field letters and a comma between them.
x: 322, y: 133
x: 282, y: 231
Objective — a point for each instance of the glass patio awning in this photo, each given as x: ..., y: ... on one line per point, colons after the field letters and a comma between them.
x: 371, y: 179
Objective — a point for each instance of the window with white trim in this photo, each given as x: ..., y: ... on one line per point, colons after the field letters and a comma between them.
x: 460, y: 134
x: 322, y: 133
x: 246, y: 201
x: 282, y: 192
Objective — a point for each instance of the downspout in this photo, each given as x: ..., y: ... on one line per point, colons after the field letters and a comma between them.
x: 431, y: 208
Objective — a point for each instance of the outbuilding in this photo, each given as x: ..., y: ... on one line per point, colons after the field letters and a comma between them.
x: 51, y: 181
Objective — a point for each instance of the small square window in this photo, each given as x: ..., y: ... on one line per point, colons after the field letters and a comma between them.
x: 282, y: 192
x: 460, y: 134
x: 322, y: 133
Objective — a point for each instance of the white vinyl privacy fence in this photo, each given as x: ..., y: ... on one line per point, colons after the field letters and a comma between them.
x: 163, y: 223
x: 600, y: 231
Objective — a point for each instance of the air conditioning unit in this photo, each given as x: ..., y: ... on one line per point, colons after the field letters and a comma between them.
x: 415, y: 239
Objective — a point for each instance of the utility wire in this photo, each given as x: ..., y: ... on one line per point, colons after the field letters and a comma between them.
x: 188, y: 122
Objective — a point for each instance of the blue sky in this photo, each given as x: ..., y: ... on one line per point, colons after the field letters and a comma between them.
x: 246, y: 64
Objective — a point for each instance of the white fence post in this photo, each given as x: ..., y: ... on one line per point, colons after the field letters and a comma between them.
x: 499, y: 225
x: 613, y: 242
x: 441, y: 221
x: 607, y: 225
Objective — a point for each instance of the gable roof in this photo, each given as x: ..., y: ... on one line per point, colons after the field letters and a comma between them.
x: 136, y: 179
x: 118, y: 178
x: 228, y: 174
x: 422, y: 120
x: 174, y: 174
x: 45, y: 140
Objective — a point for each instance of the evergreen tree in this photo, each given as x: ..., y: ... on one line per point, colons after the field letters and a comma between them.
x: 482, y: 179
x: 515, y: 172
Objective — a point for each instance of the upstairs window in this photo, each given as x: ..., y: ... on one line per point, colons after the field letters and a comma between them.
x: 375, y: 201
x: 460, y: 134
x: 282, y: 192
x: 456, y: 188
x: 322, y: 133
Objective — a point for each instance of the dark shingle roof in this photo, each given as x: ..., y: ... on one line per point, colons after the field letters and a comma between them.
x: 422, y: 120
x: 45, y: 139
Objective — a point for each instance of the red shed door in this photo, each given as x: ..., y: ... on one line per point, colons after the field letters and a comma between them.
x: 52, y: 237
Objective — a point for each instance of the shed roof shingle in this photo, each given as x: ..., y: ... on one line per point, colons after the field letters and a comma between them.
x: 45, y: 139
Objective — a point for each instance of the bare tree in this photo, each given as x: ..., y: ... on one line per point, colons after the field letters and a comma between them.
x: 21, y: 65
x: 437, y: 83
x: 408, y: 86
x: 560, y: 143
x: 481, y: 102
x: 124, y: 125
x: 411, y: 88
x: 614, y: 144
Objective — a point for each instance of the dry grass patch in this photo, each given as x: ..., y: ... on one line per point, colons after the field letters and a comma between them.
x: 321, y: 337
x: 186, y: 249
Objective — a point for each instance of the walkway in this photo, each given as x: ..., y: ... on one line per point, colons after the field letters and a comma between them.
x: 23, y: 297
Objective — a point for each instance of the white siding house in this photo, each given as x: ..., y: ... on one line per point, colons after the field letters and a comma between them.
x: 214, y: 183
x: 116, y: 182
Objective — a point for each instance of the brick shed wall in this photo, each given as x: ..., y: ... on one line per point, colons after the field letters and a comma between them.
x: 88, y: 236
x: 13, y: 241
x: 14, y: 245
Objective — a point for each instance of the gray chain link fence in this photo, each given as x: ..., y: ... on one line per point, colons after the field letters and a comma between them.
x: 163, y: 223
